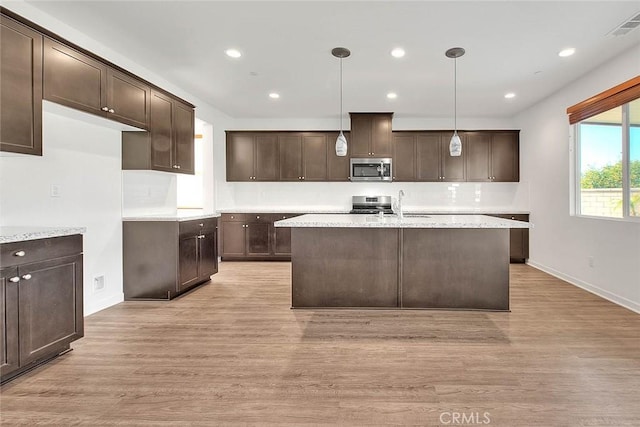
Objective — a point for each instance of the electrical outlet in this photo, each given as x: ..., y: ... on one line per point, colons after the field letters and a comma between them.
x: 55, y: 190
x: 98, y: 283
x: 591, y: 262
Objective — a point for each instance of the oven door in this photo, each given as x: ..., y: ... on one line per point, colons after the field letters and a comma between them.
x: 370, y: 169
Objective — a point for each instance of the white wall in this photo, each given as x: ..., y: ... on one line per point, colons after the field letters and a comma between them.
x: 505, y: 197
x: 85, y: 161
x: 561, y: 243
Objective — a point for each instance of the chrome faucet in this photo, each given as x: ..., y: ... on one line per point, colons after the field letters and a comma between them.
x: 398, y: 205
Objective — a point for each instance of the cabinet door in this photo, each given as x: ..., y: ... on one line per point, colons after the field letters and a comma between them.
x: 337, y: 166
x: 50, y: 306
x: 428, y: 157
x: 266, y: 158
x: 360, y: 143
x: 290, y: 151
x: 9, y: 347
x: 188, y: 261
x: 452, y: 168
x: 20, y: 88
x: 233, y: 239
x: 183, y: 138
x: 208, y: 263
x: 240, y: 156
x: 161, y: 130
x: 404, y: 157
x: 74, y: 79
x: 258, y: 242
x: 478, y: 151
x: 314, y: 157
x: 381, y: 135
x: 128, y: 98
x: 505, y: 157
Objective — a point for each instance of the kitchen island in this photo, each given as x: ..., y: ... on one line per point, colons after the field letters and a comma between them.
x: 418, y: 261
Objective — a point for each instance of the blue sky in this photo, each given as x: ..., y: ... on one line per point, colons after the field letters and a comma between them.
x: 601, y: 145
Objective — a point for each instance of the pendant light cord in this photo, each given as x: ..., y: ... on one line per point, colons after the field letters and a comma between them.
x: 341, y: 95
x: 455, y: 95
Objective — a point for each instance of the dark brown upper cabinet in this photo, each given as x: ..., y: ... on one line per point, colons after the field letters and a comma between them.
x: 370, y: 135
x: 79, y: 81
x: 424, y: 156
x: 492, y: 156
x: 168, y: 146
x: 337, y: 166
x: 303, y: 156
x: 20, y: 88
x: 252, y: 156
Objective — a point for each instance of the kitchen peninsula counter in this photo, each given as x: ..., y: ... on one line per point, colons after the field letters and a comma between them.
x: 432, y: 261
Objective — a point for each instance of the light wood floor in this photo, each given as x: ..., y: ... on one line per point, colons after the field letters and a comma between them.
x: 233, y: 352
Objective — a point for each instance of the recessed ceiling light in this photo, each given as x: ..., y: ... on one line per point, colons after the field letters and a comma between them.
x: 567, y: 52
x: 392, y: 95
x: 274, y: 95
x: 397, y: 52
x: 233, y: 53
x: 509, y: 95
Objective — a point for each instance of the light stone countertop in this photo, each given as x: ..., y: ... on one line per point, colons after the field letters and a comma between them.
x: 392, y: 221
x: 180, y: 216
x: 23, y: 233
x: 342, y: 209
x: 287, y: 209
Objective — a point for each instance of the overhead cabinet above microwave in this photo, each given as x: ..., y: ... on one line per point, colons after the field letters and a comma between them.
x: 370, y: 135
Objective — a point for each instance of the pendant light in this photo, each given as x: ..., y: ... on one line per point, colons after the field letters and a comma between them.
x: 455, y: 146
x: 341, y: 141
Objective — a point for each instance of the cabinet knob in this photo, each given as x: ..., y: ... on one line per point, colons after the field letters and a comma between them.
x: 257, y: 216
x: 513, y: 217
x: 303, y: 178
x: 111, y: 110
x: 105, y: 108
x: 201, y: 236
x: 20, y: 253
x: 26, y: 277
x: 201, y: 224
x: 284, y: 217
x: 299, y: 178
x: 232, y: 216
x: 177, y: 166
x: 15, y: 279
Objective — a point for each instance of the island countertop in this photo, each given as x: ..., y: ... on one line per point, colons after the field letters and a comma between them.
x: 392, y: 221
x: 23, y: 233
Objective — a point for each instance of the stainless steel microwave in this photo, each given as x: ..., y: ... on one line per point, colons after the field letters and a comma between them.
x: 370, y: 169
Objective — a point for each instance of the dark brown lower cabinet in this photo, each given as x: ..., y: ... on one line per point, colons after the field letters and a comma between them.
x: 254, y: 237
x: 162, y: 259
x: 518, y: 238
x: 41, y: 301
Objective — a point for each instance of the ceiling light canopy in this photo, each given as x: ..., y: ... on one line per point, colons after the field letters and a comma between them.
x: 341, y: 141
x: 233, y: 53
x: 567, y: 52
x: 509, y: 95
x: 455, y: 145
x: 392, y: 95
x: 274, y: 95
x: 398, y: 52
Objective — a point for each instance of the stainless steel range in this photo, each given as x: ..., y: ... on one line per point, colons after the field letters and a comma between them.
x: 371, y: 205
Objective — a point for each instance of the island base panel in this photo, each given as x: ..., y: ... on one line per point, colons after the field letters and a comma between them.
x: 342, y: 267
x: 455, y: 269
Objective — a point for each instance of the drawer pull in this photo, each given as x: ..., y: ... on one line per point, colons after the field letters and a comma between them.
x: 14, y: 279
x: 20, y: 253
x: 26, y: 277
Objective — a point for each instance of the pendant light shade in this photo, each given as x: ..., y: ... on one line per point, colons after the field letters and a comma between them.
x: 455, y: 145
x: 341, y: 141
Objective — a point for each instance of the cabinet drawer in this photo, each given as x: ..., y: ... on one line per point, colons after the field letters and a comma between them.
x: 39, y: 250
x: 515, y: 217
x: 197, y: 226
x: 259, y: 217
x: 233, y: 217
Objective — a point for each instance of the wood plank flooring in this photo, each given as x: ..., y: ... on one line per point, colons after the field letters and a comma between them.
x: 232, y: 352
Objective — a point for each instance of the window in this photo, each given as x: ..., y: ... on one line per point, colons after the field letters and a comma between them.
x: 608, y: 154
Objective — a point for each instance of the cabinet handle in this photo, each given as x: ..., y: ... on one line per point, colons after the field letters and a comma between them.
x: 14, y: 279
x: 111, y: 110
x: 201, y: 236
x: 257, y: 216
x: 201, y: 225
x: 26, y: 277
x: 177, y: 166
x: 513, y: 217
x: 20, y: 253
x: 303, y: 178
x: 105, y: 108
x: 284, y: 217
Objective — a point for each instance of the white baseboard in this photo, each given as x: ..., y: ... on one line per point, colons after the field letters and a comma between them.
x: 89, y: 309
x: 610, y: 296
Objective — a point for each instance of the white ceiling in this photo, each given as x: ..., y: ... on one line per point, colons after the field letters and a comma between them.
x: 511, y: 47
